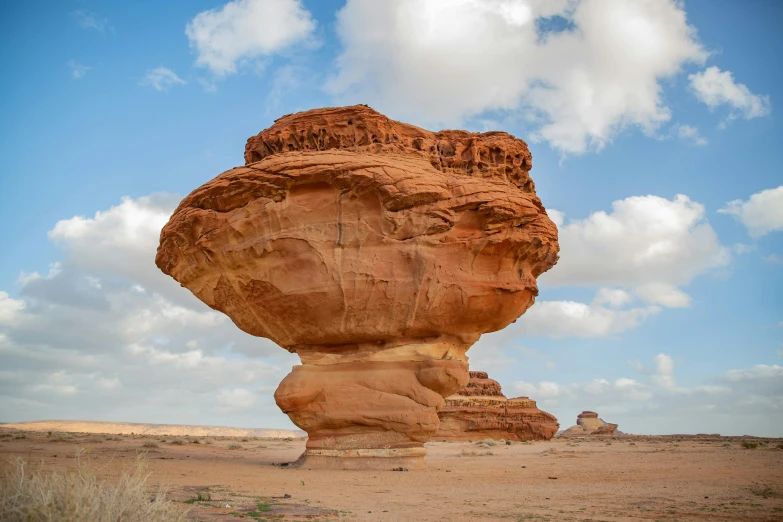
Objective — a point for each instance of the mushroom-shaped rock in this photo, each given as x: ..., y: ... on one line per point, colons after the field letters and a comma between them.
x: 377, y: 251
x: 588, y: 423
x: 481, y: 411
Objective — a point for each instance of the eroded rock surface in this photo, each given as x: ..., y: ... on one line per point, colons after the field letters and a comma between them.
x: 588, y: 423
x: 377, y: 251
x: 481, y: 411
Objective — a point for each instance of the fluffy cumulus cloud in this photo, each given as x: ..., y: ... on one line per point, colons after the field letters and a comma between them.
x: 643, y: 239
x: 715, y: 88
x: 105, y: 334
x: 161, y: 79
x: 574, y: 319
x: 578, y: 71
x: 761, y: 214
x: 736, y: 402
x: 244, y: 30
x: 638, y: 257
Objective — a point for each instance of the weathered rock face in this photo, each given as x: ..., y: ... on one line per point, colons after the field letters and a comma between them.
x: 588, y: 423
x: 481, y: 411
x: 377, y: 251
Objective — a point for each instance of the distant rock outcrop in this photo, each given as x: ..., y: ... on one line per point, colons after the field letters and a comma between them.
x: 481, y: 411
x: 588, y: 423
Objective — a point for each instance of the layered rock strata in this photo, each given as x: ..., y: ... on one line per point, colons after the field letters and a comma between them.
x: 588, y: 423
x: 481, y: 411
x: 378, y: 252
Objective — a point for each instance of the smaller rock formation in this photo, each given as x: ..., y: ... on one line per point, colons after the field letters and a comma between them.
x: 481, y: 411
x: 588, y: 423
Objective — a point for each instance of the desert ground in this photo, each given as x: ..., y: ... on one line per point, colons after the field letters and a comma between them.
x: 222, y: 478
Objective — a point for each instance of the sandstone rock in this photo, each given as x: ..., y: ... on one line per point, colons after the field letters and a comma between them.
x: 481, y: 411
x: 377, y: 251
x: 588, y: 423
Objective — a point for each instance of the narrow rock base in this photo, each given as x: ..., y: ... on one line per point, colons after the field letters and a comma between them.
x: 366, y: 459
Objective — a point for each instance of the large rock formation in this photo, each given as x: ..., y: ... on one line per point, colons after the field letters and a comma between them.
x: 588, y: 423
x: 481, y: 411
x: 377, y: 251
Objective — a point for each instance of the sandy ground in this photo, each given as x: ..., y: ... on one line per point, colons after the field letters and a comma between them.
x: 630, y: 478
x: 136, y: 428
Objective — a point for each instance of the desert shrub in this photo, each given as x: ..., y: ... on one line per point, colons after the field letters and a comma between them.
x: 34, y: 495
x: 749, y: 445
x: 234, y: 446
x: 149, y: 444
x: 471, y: 453
x: 94, y: 439
x: 20, y: 435
x: 178, y: 442
x: 765, y: 492
x: 201, y: 496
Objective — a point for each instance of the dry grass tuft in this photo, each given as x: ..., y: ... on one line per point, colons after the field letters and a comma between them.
x: 34, y: 495
x: 471, y: 453
x: 486, y: 443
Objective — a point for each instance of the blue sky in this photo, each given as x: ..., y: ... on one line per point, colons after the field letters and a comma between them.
x: 665, y: 314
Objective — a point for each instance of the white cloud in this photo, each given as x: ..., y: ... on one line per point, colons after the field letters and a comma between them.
x: 10, y: 309
x: 104, y: 324
x: 715, y: 87
x: 759, y: 371
x: 237, y: 398
x: 161, y: 79
x: 664, y: 371
x: 541, y: 391
x: 77, y: 69
x: 736, y: 402
x: 614, y: 297
x: 644, y: 240
x: 773, y: 258
x: 663, y: 294
x: 761, y: 214
x: 647, y: 248
x: 689, y: 133
x: 247, y: 30
x: 579, y: 84
x: 89, y: 20
x: 573, y: 319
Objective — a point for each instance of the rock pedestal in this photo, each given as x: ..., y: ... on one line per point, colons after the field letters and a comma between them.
x: 481, y: 411
x: 377, y: 251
